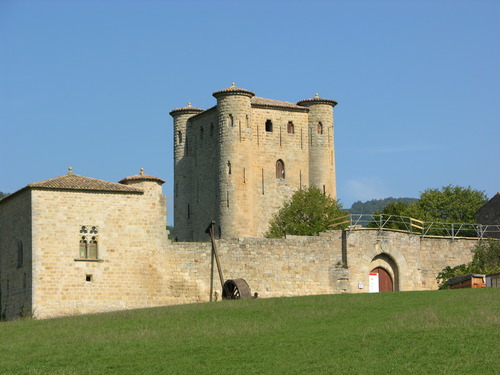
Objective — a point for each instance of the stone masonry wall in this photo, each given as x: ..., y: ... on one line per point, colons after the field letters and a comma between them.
x: 15, y: 256
x: 131, y: 237
x: 412, y: 261
x: 273, y: 268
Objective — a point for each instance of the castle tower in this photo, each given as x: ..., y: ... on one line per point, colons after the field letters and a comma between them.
x: 182, y: 167
x: 240, y: 160
x: 321, y: 144
x: 234, y: 200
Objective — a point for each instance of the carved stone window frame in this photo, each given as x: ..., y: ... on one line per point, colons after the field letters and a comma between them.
x: 88, y: 236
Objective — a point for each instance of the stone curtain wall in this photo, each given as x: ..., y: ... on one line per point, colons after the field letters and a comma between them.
x: 412, y: 261
x: 273, y: 268
x: 15, y: 273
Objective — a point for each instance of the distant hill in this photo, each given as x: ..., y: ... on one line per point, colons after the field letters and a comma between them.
x: 369, y: 207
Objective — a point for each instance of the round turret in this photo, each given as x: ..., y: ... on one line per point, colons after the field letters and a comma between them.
x: 144, y: 181
x: 234, y: 145
x: 321, y: 144
x: 181, y: 117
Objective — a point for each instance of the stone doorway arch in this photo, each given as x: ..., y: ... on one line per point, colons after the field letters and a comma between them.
x: 387, y: 270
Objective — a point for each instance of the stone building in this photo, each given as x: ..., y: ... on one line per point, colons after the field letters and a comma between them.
x: 489, y: 214
x: 238, y: 161
x: 74, y: 245
x: 71, y: 244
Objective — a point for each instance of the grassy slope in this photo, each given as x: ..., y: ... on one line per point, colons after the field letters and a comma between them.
x: 441, y: 332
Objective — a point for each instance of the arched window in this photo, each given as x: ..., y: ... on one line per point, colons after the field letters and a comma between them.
x: 211, y: 129
x: 320, y: 128
x: 230, y: 120
x: 92, y: 248
x: 88, y: 249
x: 280, y: 169
x: 201, y: 133
x: 179, y: 136
x: 290, y: 128
x: 228, y: 167
x: 83, y: 248
x: 269, y: 126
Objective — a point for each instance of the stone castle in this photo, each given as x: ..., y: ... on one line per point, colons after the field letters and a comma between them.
x: 73, y: 244
x: 238, y: 161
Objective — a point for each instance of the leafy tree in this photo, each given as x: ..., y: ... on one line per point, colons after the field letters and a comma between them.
x: 3, y: 195
x: 486, y: 260
x: 450, y: 204
x: 171, y: 232
x: 308, y: 212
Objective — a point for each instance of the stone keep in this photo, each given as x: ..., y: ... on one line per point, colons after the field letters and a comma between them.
x: 237, y: 162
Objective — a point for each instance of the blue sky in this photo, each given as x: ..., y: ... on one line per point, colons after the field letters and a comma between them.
x: 89, y: 84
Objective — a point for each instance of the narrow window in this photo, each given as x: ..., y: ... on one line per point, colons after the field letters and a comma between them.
x: 269, y: 126
x: 280, y: 169
x: 179, y: 137
x: 20, y: 255
x: 88, y: 278
x: 320, y: 128
x: 324, y: 190
x: 228, y: 167
x: 244, y: 176
x: 262, y: 181
x: 211, y: 129
x: 92, y: 248
x: 290, y: 128
x: 189, y: 212
x: 83, y: 248
x: 230, y: 120
x: 201, y: 133
x: 227, y: 198
x: 247, y: 121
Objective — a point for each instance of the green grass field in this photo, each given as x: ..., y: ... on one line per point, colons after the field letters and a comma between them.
x: 439, y: 332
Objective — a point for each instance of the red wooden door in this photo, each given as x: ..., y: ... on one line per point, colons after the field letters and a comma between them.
x: 385, y: 283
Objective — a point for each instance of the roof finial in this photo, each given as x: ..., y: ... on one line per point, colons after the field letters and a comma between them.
x: 142, y: 171
x: 316, y: 96
x: 189, y: 104
x: 70, y: 170
x: 233, y: 85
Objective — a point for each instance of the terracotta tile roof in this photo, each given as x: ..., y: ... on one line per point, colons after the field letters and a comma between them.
x: 72, y: 181
x: 263, y: 102
x: 188, y: 109
x: 141, y: 177
x: 233, y: 90
x: 317, y: 100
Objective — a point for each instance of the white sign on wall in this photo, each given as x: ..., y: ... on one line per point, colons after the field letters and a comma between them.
x: 373, y: 282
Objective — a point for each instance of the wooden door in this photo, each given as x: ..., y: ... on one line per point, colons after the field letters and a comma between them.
x: 385, y: 283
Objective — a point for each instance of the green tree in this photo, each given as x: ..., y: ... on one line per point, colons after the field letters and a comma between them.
x: 3, y: 195
x: 450, y: 204
x: 486, y: 260
x: 308, y: 212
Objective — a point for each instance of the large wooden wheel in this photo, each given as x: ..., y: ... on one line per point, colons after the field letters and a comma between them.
x: 236, y: 289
